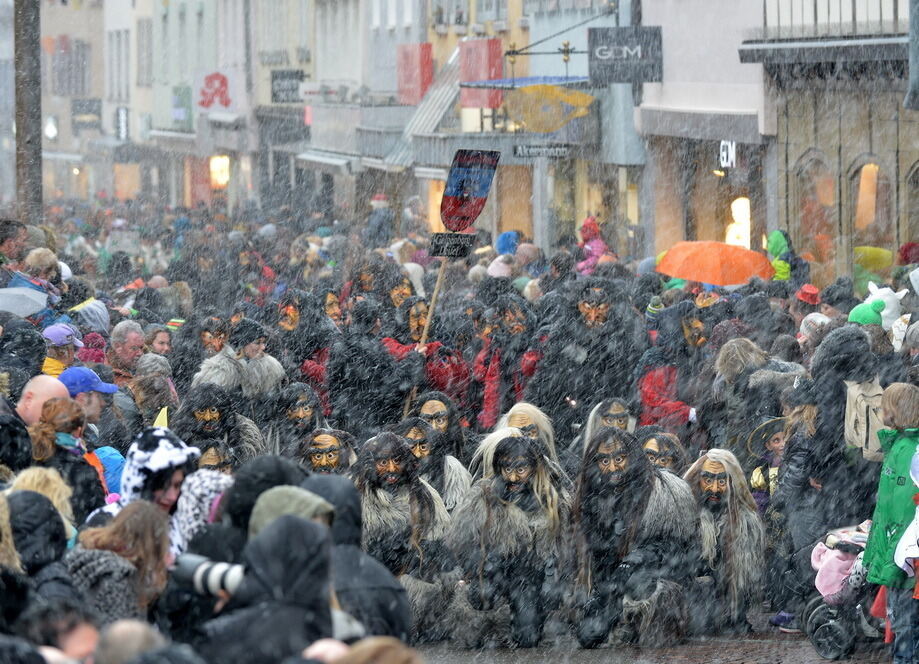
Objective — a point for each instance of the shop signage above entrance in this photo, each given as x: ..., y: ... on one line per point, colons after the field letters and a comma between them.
x: 548, y: 151
x: 727, y: 154
x: 467, y: 187
x: 624, y: 55
x: 285, y: 86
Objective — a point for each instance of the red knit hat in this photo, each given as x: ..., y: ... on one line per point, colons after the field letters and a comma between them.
x: 590, y: 229
x: 808, y: 293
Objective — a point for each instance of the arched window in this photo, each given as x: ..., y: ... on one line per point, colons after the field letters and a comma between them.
x: 873, y: 223
x: 818, y: 227
x: 912, y: 201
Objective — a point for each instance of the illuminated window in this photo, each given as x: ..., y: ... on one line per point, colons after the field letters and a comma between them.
x: 817, y: 221
x: 220, y: 171
x: 872, y: 219
x: 738, y: 232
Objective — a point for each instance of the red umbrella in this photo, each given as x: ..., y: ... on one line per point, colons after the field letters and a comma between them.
x: 714, y: 263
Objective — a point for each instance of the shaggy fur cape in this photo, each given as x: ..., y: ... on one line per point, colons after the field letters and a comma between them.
x: 457, y: 482
x: 738, y: 568
x: 485, y: 522
x: 386, y: 513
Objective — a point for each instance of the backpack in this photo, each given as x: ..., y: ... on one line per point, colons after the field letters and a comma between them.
x: 864, y: 417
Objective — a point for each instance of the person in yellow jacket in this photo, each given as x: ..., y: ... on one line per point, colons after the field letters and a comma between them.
x: 62, y: 343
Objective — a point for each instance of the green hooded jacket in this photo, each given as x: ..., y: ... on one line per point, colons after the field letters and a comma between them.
x: 895, y: 508
x: 777, y: 246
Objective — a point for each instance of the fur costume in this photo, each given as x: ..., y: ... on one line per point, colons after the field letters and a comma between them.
x: 387, y: 514
x: 670, y: 517
x: 457, y: 482
x: 387, y: 526
x: 488, y: 523
x: 486, y: 532
x: 253, y: 378
x: 739, y: 574
x: 733, y: 542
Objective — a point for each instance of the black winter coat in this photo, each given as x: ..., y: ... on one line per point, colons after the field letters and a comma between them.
x: 88, y: 494
x: 40, y: 539
x: 367, y: 385
x: 365, y: 588
x: 585, y: 366
x: 282, y: 605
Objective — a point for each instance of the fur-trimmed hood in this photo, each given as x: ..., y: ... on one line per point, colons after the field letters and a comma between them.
x: 846, y: 354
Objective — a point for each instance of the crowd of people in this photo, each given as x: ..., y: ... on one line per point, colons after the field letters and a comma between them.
x: 223, y: 441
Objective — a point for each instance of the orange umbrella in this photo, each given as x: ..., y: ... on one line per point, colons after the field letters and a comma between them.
x: 714, y: 263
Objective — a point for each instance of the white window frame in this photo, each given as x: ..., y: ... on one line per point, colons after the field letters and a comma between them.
x: 391, y: 14
x: 375, y: 14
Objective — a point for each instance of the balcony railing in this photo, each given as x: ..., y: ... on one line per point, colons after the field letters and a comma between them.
x: 796, y: 19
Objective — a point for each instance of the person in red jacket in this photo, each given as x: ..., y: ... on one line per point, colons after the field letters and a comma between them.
x: 444, y: 369
x: 664, y: 374
x: 506, y: 362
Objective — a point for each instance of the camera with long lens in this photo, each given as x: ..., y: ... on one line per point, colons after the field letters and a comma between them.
x: 206, y: 576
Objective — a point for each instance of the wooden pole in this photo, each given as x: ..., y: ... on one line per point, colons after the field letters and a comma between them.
x: 27, y: 59
x: 427, y: 326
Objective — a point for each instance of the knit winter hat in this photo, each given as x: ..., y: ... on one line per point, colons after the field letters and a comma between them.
x: 812, y: 322
x: 867, y: 313
x: 245, y: 332
x: 655, y: 307
x: 281, y: 500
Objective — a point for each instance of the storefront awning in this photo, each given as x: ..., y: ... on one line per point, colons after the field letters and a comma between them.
x: 428, y: 173
x: 61, y: 156
x: 381, y: 165
x: 124, y: 152
x: 816, y: 50
x: 293, y: 148
x: 522, y: 82
x: 226, y: 119
x: 336, y: 163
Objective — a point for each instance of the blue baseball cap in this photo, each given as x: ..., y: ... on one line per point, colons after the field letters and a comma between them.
x: 81, y: 379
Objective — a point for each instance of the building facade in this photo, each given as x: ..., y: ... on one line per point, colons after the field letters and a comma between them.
x: 709, y: 130
x: 847, y: 149
x: 185, y: 53
x: 73, y: 88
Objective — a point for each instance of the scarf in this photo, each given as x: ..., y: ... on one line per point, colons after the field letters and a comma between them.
x: 70, y: 443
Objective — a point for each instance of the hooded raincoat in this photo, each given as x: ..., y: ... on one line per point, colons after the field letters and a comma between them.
x: 282, y: 605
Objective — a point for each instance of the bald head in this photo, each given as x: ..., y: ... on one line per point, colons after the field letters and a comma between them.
x: 157, y: 281
x: 34, y: 395
x: 124, y: 640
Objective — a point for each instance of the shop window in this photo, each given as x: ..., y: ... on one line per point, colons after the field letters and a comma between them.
x: 817, y: 223
x: 738, y: 231
x: 912, y: 200
x: 873, y: 226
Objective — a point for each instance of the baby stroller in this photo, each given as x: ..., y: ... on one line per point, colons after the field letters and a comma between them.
x: 839, y: 616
